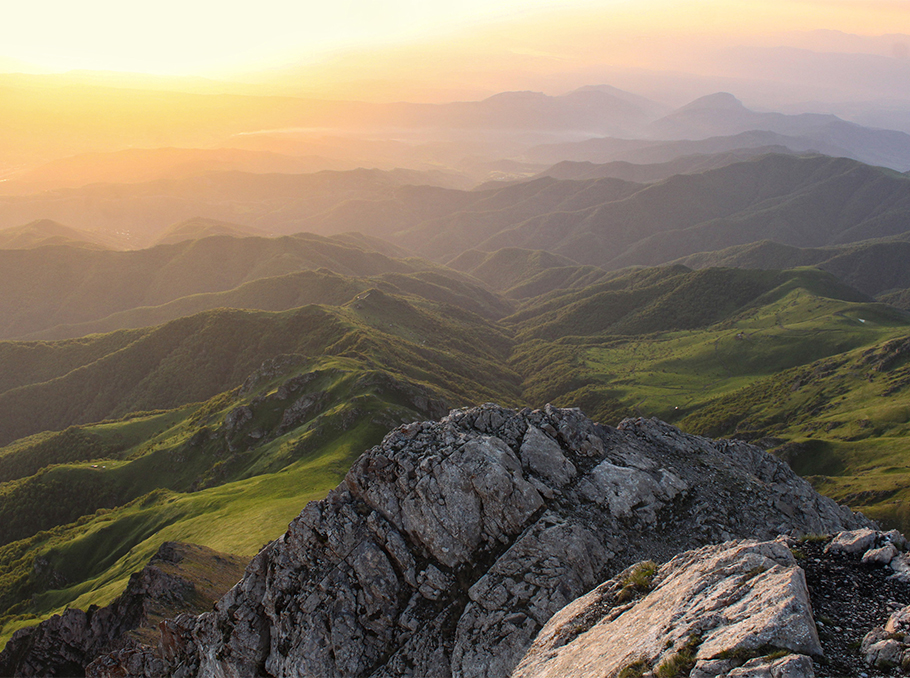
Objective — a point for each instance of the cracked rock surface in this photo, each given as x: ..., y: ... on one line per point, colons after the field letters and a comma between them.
x: 731, y: 600
x: 449, y: 546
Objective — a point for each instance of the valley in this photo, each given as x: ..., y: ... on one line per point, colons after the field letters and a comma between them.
x: 433, y: 368
x: 222, y: 415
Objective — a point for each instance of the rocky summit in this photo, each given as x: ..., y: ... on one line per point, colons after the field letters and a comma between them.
x: 449, y: 546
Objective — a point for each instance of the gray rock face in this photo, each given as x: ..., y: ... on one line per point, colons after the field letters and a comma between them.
x: 450, y: 545
x: 733, y: 598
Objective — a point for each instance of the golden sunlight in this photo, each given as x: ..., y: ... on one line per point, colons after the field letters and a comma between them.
x: 184, y: 37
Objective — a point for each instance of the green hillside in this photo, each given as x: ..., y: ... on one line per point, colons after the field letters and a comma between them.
x: 842, y: 421
x: 194, y: 358
x: 217, y: 427
x: 281, y: 293
x: 40, y: 289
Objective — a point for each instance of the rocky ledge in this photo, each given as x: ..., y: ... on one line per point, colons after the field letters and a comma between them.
x: 788, y: 608
x: 449, y: 546
x: 178, y: 578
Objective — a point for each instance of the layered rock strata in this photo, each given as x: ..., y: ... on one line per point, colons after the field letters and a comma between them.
x: 450, y: 545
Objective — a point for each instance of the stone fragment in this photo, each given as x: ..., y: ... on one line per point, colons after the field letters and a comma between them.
x: 885, y: 654
x: 853, y: 541
x: 712, y: 668
x: 880, y: 556
x: 899, y: 622
x: 790, y: 666
x: 896, y: 538
x: 901, y: 566
x: 793, y: 666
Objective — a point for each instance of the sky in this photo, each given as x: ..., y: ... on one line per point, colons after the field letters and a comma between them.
x: 205, y: 37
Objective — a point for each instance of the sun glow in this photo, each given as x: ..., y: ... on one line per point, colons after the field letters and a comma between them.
x: 192, y: 36
x: 183, y: 37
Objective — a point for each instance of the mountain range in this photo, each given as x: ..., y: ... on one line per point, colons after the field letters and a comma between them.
x: 193, y: 340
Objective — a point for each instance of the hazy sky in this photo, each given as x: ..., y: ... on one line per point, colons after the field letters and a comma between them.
x: 205, y: 36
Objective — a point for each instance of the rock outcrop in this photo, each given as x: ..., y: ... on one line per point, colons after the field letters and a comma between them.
x: 712, y: 608
x: 450, y: 545
x: 179, y: 578
x: 788, y: 608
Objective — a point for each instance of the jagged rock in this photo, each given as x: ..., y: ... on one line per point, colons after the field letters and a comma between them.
x: 734, y: 598
x: 853, y: 541
x: 899, y: 622
x: 880, y: 556
x: 300, y: 410
x: 65, y: 644
x: 883, y: 654
x: 450, y: 545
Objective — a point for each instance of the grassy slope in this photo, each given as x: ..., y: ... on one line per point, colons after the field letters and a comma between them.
x: 689, y: 346
x: 873, y: 267
x: 53, y: 385
x: 45, y: 287
x: 249, y: 457
x: 806, y: 365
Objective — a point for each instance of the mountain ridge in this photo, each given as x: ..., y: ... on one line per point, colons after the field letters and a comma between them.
x: 416, y: 613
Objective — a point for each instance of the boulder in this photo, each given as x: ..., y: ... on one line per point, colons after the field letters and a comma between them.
x: 732, y: 599
x: 852, y: 541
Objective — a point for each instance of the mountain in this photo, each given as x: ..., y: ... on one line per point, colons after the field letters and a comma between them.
x: 590, y: 109
x: 722, y: 114
x: 650, y: 173
x: 807, y: 202
x: 41, y: 289
x: 811, y: 201
x: 505, y: 268
x: 198, y: 228
x: 137, y: 214
x: 179, y: 431
x: 44, y: 232
x: 875, y: 267
x: 138, y: 165
x: 647, y: 151
x: 292, y: 290
x: 461, y: 557
x: 197, y: 357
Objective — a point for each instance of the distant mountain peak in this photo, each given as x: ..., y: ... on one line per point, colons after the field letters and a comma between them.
x: 524, y: 95
x: 719, y: 100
